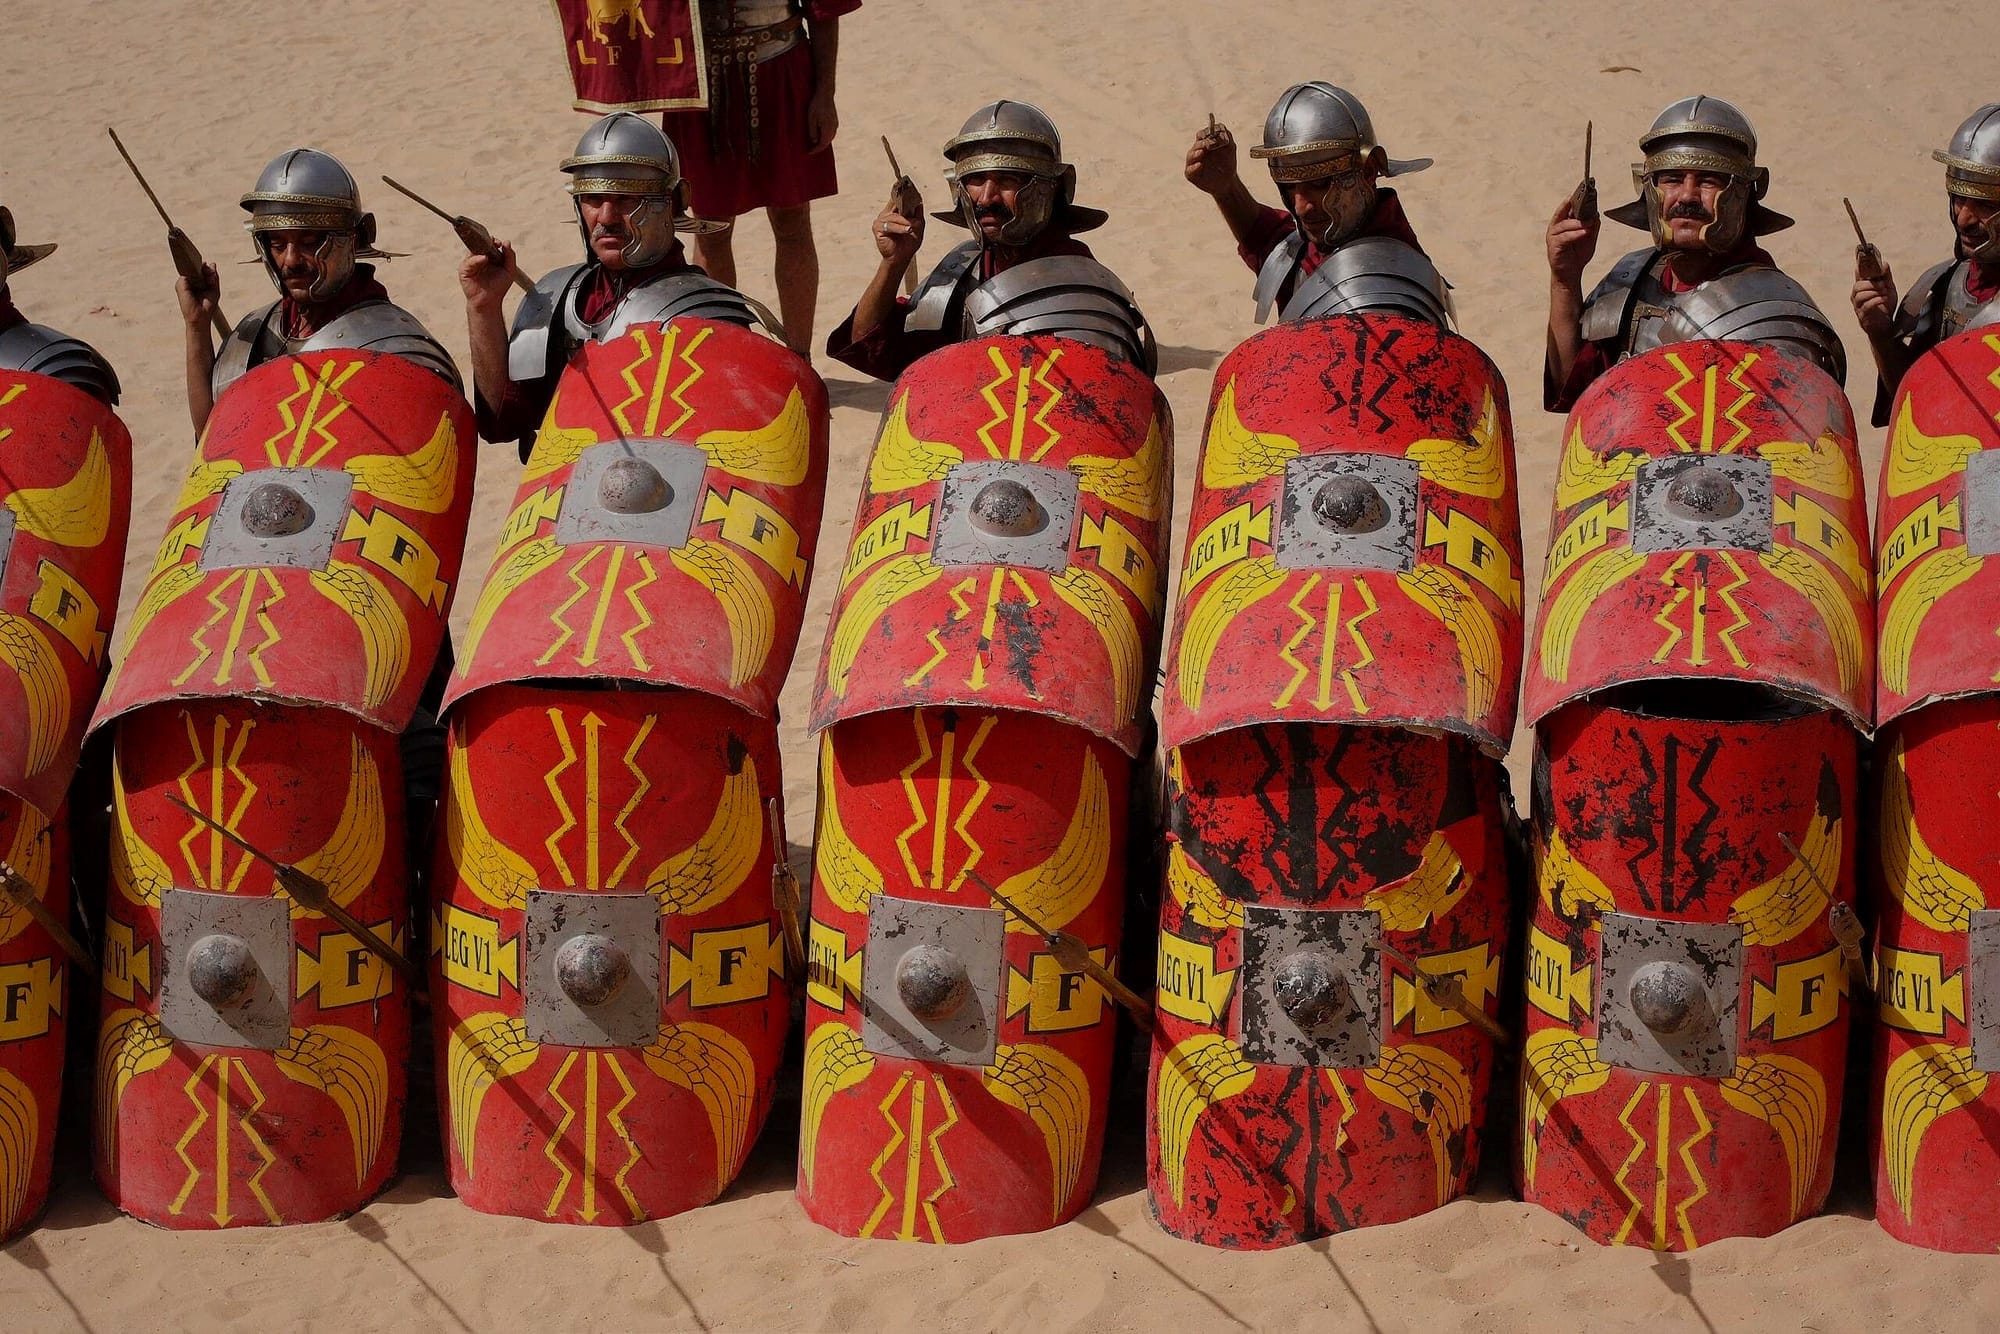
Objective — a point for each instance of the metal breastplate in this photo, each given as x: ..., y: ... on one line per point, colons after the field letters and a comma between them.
x: 1756, y: 305
x: 1373, y: 273
x: 1067, y: 295
x: 40, y: 350
x: 1959, y: 310
x: 1277, y: 270
x: 931, y: 303
x: 548, y: 325
x: 374, y: 326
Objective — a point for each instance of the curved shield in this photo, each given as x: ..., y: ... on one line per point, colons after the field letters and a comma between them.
x: 1687, y: 1014
x: 665, y: 524
x: 1708, y: 520
x: 315, y: 545
x: 34, y: 1010
x: 1006, y: 551
x: 252, y: 1056
x: 608, y: 970
x: 1937, y: 522
x: 956, y: 1069
x: 1354, y: 553
x: 65, y: 499
x: 1303, y: 1080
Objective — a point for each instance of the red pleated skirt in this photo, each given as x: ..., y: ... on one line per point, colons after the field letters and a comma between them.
x: 724, y: 179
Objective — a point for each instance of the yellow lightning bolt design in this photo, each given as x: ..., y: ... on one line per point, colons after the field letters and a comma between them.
x: 550, y: 781
x: 614, y: 1118
x: 1367, y: 657
x: 643, y: 786
x: 896, y: 1138
x: 645, y: 618
x: 918, y: 816
x: 1702, y: 1128
x: 962, y: 609
x: 1002, y: 374
x: 974, y: 804
x: 1727, y: 593
x: 1049, y: 433
x: 1688, y: 412
x: 679, y: 392
x: 556, y: 618
x: 1307, y: 624
x: 631, y: 374
x: 201, y: 1118
x: 246, y: 1123
x: 549, y: 1150
x: 1747, y: 396
x: 1665, y: 618
x: 1638, y: 1151
x: 946, y: 1182
x: 332, y: 377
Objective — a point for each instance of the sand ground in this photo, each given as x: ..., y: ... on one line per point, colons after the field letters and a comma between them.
x: 470, y: 101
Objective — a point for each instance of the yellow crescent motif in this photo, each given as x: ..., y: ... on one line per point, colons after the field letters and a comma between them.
x: 778, y: 453
x: 1236, y: 589
x: 1563, y: 616
x: 902, y: 461
x: 44, y: 688
x: 129, y: 1045
x: 1133, y: 484
x: 1584, y: 472
x: 1922, y: 1084
x: 753, y: 622
x: 845, y: 874
x: 76, y: 513
x: 426, y: 480
x: 1789, y: 1096
x: 484, y: 1049
x: 1567, y: 885
x: 1054, y: 892
x: 1195, y: 1075
x: 1480, y: 653
x: 1916, y: 460
x: 1055, y: 1095
x: 385, y: 635
x: 522, y: 564
x: 1235, y: 455
x: 1197, y: 893
x: 30, y: 856
x: 498, y: 875
x: 1795, y: 898
x: 702, y: 876
x: 1921, y: 589
x: 347, y: 862
x: 20, y: 1130
x: 835, y: 1060
x: 1092, y: 596
x: 1937, y: 894
x: 1427, y: 893
x: 1555, y: 1064
x: 350, y: 1069
x: 896, y: 579
x: 710, y: 1063
x: 205, y: 479
x: 141, y: 874
x: 1437, y: 1093
x: 1817, y: 585
x: 1474, y: 468
x: 1821, y: 465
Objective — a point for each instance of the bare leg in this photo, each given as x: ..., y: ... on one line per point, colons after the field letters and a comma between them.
x: 716, y: 252
x: 797, y: 275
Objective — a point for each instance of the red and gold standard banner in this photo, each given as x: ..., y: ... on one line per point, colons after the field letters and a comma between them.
x: 609, y: 974
x: 65, y: 498
x: 1352, y: 575
x: 979, y: 701
x: 1937, y: 956
x: 634, y: 55
x: 1702, y: 665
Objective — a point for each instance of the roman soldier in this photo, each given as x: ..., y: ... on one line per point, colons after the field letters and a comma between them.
x: 1012, y: 190
x: 36, y: 347
x: 1320, y: 145
x: 1705, y: 277
x: 1954, y: 294
x: 630, y: 201
x: 311, y: 234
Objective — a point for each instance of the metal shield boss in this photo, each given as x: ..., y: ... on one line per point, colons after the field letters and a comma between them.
x: 1937, y: 955
x: 1702, y: 667
x: 65, y: 498
x: 608, y: 966
x: 980, y: 701
x: 1352, y: 575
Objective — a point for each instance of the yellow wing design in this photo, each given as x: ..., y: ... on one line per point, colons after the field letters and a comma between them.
x: 1817, y: 585
x: 426, y: 480
x: 1821, y: 465
x: 1921, y: 589
x: 835, y: 1060
x: 1235, y: 455
x: 844, y: 871
x: 556, y: 448
x: 710, y: 1063
x: 1792, y: 900
x: 1055, y: 1095
x: 140, y: 874
x: 753, y: 622
x: 1936, y: 893
x: 1197, y: 893
x: 1427, y: 893
x: 1054, y: 892
x: 1237, y: 588
x: 496, y: 873
x: 1563, y: 617
x: 1131, y: 484
x: 1196, y: 1074
x: 347, y: 862
x: 129, y: 1045
x: 1555, y: 1064
x: 478, y: 1053
x: 1789, y: 1096
x: 1480, y: 653
x: 1476, y: 467
x: 778, y: 453
x: 1923, y: 1084
x: 76, y: 513
x: 44, y: 687
x: 350, y: 1069
x: 1092, y: 596
x: 204, y: 479
x: 701, y: 876
x: 1584, y: 472
x: 1567, y: 885
x: 522, y: 564
x: 385, y: 634
x: 896, y: 579
x: 20, y: 1129
x: 901, y: 461
x: 1916, y: 460
x: 1437, y: 1093
x: 30, y: 855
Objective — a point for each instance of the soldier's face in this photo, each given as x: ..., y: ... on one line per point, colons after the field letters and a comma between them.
x: 296, y: 255
x: 996, y: 198
x: 1688, y: 201
x: 1975, y: 220
x: 609, y: 218
x: 1332, y: 207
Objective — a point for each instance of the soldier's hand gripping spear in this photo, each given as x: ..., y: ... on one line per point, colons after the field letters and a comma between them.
x: 1583, y: 199
x: 18, y: 888
x: 476, y: 239
x: 906, y: 199
x: 187, y: 258
x: 785, y: 895
x: 1841, y: 919
x: 1868, y: 265
x: 312, y: 894
x: 1074, y: 955
x: 1447, y: 992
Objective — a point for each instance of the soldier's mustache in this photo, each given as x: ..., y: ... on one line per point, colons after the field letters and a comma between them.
x: 607, y: 232
x: 1692, y: 211
x: 996, y: 212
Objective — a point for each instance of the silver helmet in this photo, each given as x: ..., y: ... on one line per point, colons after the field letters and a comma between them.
x: 13, y: 255
x: 1016, y: 137
x: 625, y: 154
x: 307, y: 190
x: 1972, y: 171
x: 1703, y: 133
x: 1318, y: 132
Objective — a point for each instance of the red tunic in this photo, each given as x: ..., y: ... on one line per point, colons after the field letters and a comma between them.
x: 1273, y: 225
x: 303, y: 319
x: 889, y: 349
x: 723, y: 177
